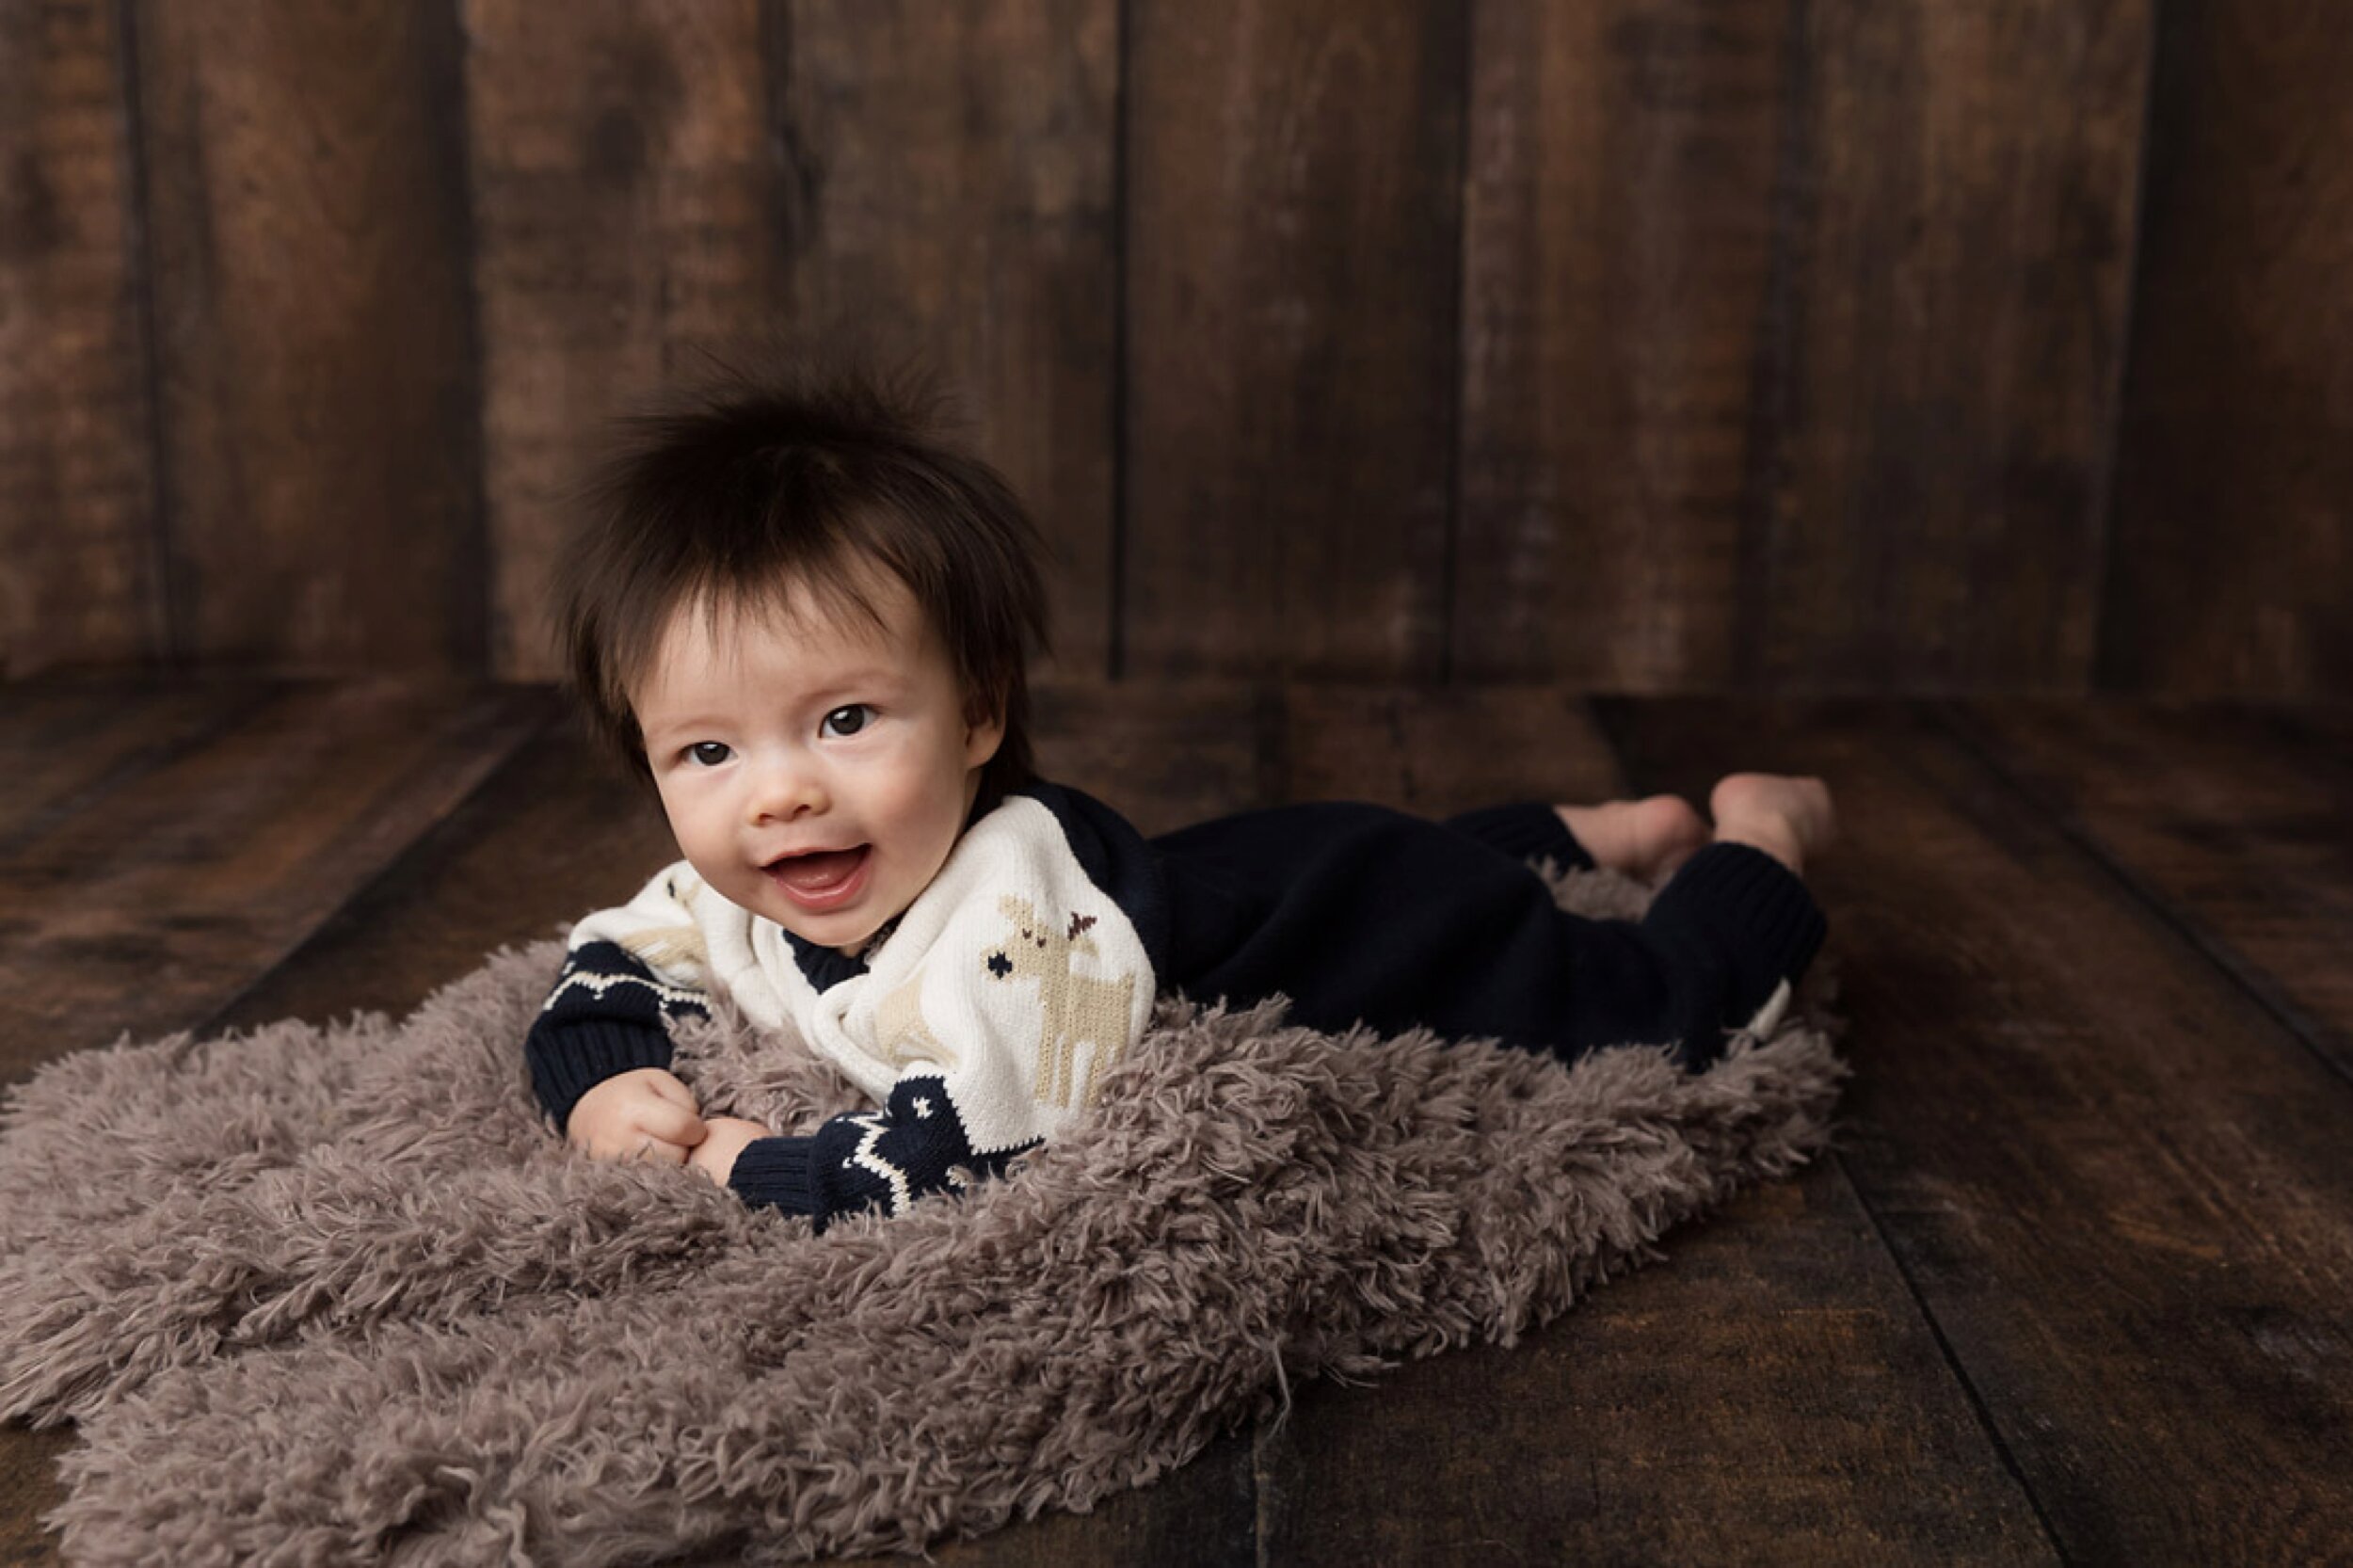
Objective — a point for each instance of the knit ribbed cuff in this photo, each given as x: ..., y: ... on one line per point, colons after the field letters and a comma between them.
x: 1736, y: 902
x: 568, y: 1060
x: 776, y: 1172
x: 1525, y: 830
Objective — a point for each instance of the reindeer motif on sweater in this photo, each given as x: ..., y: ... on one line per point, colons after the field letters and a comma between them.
x: 1076, y: 1008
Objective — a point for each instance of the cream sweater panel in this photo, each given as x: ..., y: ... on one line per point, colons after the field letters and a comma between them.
x: 1011, y: 976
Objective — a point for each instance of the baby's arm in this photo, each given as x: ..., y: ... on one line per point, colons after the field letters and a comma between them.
x: 604, y: 1034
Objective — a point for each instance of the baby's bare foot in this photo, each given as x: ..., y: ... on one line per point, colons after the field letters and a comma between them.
x: 1790, y: 819
x: 1643, y: 838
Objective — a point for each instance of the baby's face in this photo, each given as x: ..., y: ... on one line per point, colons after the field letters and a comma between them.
x: 814, y: 771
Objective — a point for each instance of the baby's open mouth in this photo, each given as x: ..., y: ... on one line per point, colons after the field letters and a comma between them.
x: 820, y: 872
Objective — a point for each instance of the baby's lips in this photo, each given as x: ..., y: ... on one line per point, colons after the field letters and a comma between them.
x: 817, y: 873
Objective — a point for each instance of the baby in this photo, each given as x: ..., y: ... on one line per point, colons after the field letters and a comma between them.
x: 806, y: 621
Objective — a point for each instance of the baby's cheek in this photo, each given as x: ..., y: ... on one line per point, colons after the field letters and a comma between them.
x: 902, y: 800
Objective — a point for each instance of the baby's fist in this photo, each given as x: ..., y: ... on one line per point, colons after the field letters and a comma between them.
x: 648, y: 1113
x: 724, y: 1138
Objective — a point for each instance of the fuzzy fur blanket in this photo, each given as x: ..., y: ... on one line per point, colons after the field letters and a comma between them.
x: 331, y: 1294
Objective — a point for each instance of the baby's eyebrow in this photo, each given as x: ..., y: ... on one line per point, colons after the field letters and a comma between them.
x: 833, y: 689
x: 669, y: 732
x: 875, y: 677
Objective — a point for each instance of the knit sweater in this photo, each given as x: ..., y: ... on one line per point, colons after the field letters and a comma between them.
x: 985, y: 1016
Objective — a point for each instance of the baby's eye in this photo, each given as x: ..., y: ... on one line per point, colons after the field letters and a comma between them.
x: 847, y: 721
x: 709, y: 754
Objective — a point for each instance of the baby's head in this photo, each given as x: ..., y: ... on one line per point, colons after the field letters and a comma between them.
x: 805, y: 620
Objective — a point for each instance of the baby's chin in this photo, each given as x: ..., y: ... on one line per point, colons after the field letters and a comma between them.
x: 850, y: 938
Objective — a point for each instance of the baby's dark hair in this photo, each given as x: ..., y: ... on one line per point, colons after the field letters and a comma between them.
x: 748, y: 483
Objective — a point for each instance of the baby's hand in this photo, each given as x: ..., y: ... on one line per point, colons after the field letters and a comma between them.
x: 724, y: 1138
x: 647, y: 1114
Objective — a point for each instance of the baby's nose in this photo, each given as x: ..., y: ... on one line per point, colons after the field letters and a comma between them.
x: 785, y: 789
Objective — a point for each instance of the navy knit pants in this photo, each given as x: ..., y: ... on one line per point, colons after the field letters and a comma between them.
x: 1360, y: 913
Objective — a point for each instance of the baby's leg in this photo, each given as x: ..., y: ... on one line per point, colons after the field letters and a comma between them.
x: 1643, y: 838
x: 1789, y: 818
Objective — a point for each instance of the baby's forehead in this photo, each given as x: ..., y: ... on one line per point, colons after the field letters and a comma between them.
x: 875, y: 624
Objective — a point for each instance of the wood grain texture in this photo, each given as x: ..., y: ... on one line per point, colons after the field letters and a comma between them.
x: 308, y: 238
x: 551, y: 834
x: 1203, y: 1514
x: 2230, y: 565
x: 1618, y: 241
x: 1169, y: 755
x: 1293, y: 194
x: 67, y: 744
x: 80, y: 579
x: 1165, y: 756
x: 170, y: 888
x: 1651, y: 345
x: 2115, y: 1182
x: 29, y: 1488
x: 1950, y: 307
x: 1436, y: 752
x: 1769, y: 1393
x: 2232, y: 820
x: 950, y: 195
x: 658, y: 180
x: 626, y: 186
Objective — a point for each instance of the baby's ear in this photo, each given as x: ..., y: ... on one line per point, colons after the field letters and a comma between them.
x: 983, y: 731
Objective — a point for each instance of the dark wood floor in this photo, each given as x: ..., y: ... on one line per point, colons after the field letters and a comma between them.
x: 2076, y: 1283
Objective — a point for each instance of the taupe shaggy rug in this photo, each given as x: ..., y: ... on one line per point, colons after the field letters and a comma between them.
x: 328, y: 1294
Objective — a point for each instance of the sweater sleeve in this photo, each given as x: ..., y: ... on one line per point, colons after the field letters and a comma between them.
x: 916, y: 1144
x: 628, y: 973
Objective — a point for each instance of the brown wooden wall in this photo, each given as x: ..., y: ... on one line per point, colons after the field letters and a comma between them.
x: 1651, y: 345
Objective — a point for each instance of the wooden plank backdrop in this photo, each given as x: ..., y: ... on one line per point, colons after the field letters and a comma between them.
x: 81, y: 573
x: 1956, y: 228
x: 309, y: 245
x: 2232, y: 566
x: 1618, y: 254
x: 626, y: 196
x: 1291, y: 178
x: 1694, y: 345
x: 651, y: 179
